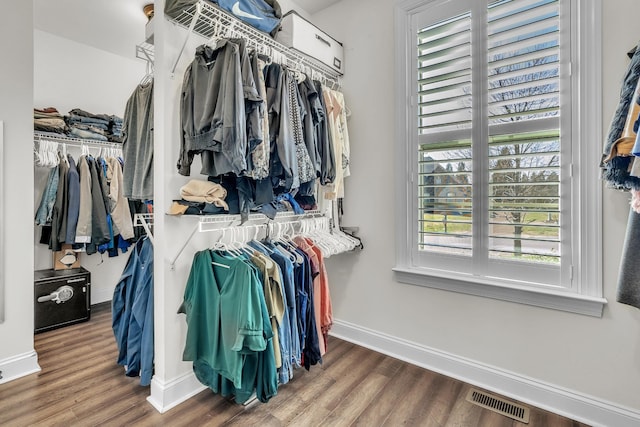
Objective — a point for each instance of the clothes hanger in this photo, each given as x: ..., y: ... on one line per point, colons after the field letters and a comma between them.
x: 219, y: 245
x: 276, y: 239
x: 238, y: 242
x: 287, y: 240
x: 258, y: 242
x: 325, y: 241
x: 148, y: 77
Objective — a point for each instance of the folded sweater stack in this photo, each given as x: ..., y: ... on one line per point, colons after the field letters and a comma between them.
x: 49, y: 120
x: 79, y: 124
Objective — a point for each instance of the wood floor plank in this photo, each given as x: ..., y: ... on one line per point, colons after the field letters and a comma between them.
x: 356, y: 401
x: 442, y: 401
x: 389, y: 367
x: 81, y: 385
x: 489, y: 418
x: 310, y: 416
x: 463, y: 413
x: 63, y: 418
x: 63, y: 397
x: 349, y: 376
x: 403, y: 412
x: 301, y: 399
x: 377, y: 411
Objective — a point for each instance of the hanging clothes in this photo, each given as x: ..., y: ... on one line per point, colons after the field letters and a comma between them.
x: 44, y: 214
x: 620, y: 170
x: 256, y: 314
x: 615, y: 170
x: 289, y: 299
x: 59, y: 215
x: 306, y: 170
x: 337, y: 120
x: 119, y: 204
x: 259, y: 156
x: 89, y: 210
x: 84, y: 225
x: 321, y: 293
x: 73, y: 194
x: 227, y: 321
x: 213, y: 112
x: 100, y: 233
x: 132, y: 313
x: 261, y: 128
x: 137, y: 147
x: 325, y: 145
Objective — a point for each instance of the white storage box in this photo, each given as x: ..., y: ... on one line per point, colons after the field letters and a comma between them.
x: 301, y: 35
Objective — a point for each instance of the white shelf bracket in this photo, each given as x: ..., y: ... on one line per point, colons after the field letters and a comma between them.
x: 194, y: 20
x: 172, y: 264
x: 145, y: 221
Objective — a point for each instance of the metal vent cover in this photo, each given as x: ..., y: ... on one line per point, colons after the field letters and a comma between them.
x: 499, y: 405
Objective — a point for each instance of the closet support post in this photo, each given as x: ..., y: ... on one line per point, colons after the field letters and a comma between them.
x: 172, y: 264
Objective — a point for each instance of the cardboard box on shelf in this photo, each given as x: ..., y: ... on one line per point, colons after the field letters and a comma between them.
x: 66, y: 258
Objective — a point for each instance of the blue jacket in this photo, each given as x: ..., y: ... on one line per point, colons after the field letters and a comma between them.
x: 132, y: 313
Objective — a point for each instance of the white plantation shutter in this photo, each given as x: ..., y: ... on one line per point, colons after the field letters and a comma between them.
x: 444, y: 75
x: 490, y: 140
x: 524, y: 162
x: 498, y: 127
x: 444, y: 126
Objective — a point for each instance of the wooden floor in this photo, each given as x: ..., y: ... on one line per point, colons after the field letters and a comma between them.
x: 81, y: 385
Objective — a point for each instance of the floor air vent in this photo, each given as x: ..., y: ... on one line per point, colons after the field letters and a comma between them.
x: 499, y: 405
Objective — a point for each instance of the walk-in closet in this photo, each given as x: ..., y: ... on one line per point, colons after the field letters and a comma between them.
x: 319, y: 212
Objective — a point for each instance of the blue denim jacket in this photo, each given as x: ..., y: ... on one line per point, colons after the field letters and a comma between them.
x: 132, y: 313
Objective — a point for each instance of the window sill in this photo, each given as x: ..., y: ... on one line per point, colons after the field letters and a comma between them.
x: 556, y: 300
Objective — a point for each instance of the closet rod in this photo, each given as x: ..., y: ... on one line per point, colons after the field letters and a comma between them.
x: 208, y: 20
x: 208, y: 223
x: 38, y: 136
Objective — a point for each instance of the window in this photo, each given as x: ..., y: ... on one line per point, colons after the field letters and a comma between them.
x: 498, y: 121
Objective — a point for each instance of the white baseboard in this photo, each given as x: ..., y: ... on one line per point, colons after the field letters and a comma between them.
x: 19, y: 366
x: 568, y: 403
x: 166, y: 395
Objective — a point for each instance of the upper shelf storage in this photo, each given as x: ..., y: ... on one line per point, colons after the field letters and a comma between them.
x: 71, y: 140
x: 209, y: 21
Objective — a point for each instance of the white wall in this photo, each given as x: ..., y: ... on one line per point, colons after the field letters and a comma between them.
x: 591, y: 356
x: 16, y: 103
x: 68, y: 75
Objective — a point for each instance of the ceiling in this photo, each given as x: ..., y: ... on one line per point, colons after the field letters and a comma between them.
x: 313, y: 6
x: 115, y: 26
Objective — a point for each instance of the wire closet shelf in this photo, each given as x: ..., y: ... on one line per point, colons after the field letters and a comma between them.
x: 146, y: 52
x: 208, y: 20
x: 70, y: 140
x: 210, y: 223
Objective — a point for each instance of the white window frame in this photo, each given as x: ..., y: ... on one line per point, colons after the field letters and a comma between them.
x: 581, y: 291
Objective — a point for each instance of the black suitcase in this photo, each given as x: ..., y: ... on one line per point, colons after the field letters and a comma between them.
x: 61, y: 298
